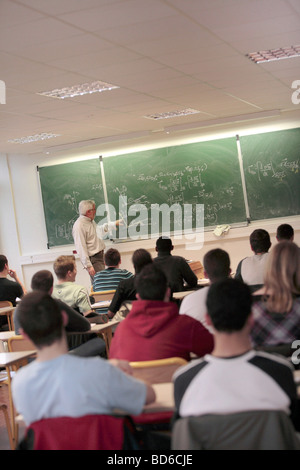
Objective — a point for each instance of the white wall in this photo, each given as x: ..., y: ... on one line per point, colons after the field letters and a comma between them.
x: 23, y: 236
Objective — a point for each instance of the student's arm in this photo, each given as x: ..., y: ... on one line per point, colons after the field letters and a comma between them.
x: 76, y: 322
x: 238, y: 273
x: 188, y: 275
x: 14, y: 276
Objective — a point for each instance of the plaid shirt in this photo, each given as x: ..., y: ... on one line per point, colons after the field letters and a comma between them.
x: 275, y: 328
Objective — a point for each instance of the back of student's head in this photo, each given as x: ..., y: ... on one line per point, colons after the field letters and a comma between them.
x: 3, y: 262
x: 141, y: 258
x: 164, y: 244
x: 63, y: 264
x: 229, y: 305
x: 216, y: 264
x: 282, y: 276
x: 42, y: 280
x: 151, y: 283
x: 285, y: 232
x: 112, y: 257
x: 40, y: 318
x: 260, y: 241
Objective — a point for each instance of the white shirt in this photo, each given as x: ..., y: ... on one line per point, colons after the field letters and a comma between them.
x: 87, y: 238
x: 194, y: 305
x: 252, y: 269
x: 75, y: 386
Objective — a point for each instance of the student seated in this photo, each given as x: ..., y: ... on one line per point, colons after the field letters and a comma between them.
x: 216, y: 266
x: 110, y: 277
x: 66, y: 290
x: 9, y: 290
x: 277, y: 311
x: 82, y: 345
x: 126, y: 290
x: 234, y: 378
x: 176, y: 268
x: 153, y: 329
x: 251, y: 269
x: 43, y: 281
x: 60, y: 384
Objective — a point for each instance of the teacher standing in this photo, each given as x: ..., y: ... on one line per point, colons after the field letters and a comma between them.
x: 88, y: 236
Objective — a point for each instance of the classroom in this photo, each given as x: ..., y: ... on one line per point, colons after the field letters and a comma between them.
x: 178, y: 74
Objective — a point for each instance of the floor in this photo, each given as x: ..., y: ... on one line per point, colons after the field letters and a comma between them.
x: 4, y: 441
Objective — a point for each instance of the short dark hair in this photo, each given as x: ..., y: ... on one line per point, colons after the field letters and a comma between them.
x: 141, y: 258
x: 151, y: 283
x: 217, y: 264
x: 42, y: 280
x: 40, y: 317
x: 260, y: 241
x: 284, y: 232
x: 112, y: 257
x: 164, y: 244
x: 63, y: 264
x: 3, y: 262
x: 229, y: 305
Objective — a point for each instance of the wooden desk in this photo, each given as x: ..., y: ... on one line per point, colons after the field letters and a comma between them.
x: 4, y: 336
x: 8, y: 359
x: 164, y: 398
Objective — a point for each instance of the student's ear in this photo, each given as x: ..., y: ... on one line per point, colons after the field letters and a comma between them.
x: 65, y: 318
x: 138, y: 296
x: 22, y: 332
x: 167, y: 295
x: 250, y: 320
x: 208, y: 319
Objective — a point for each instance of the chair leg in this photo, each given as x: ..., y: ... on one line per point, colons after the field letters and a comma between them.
x: 6, y: 417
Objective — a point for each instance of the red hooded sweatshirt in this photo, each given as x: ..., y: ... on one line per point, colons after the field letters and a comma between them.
x: 155, y: 330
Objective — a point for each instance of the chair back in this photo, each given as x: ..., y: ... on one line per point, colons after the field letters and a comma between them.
x: 249, y: 430
x: 197, y: 268
x: 103, y: 295
x: 157, y: 371
x: 19, y: 343
x: 89, y: 432
x: 9, y: 313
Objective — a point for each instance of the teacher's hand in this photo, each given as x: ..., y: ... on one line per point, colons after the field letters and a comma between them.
x: 91, y: 271
x: 119, y: 222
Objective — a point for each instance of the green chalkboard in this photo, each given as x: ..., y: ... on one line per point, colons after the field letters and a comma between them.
x: 272, y: 173
x: 182, y: 176
x: 63, y: 187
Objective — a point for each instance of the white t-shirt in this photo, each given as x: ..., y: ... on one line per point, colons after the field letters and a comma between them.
x: 252, y: 381
x: 194, y: 305
x: 75, y: 386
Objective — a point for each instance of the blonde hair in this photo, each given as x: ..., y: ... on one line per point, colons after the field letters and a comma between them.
x: 282, y: 276
x: 63, y: 264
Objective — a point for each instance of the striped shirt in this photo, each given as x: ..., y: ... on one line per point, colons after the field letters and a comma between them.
x: 109, y: 279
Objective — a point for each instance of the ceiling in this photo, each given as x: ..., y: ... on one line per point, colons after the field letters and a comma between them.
x: 164, y: 55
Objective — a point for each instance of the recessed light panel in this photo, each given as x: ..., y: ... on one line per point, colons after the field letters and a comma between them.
x: 172, y: 114
x: 79, y: 90
x: 33, y: 138
x: 274, y: 54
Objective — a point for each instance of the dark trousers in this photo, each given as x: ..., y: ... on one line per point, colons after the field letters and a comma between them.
x: 97, y: 261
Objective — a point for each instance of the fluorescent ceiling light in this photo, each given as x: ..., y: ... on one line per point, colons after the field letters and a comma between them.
x: 274, y: 54
x: 33, y: 138
x: 172, y: 114
x: 78, y: 90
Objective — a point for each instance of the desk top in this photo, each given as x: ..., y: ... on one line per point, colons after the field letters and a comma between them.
x: 5, y: 335
x: 9, y: 358
x: 164, y: 398
x: 96, y: 328
x: 6, y: 309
